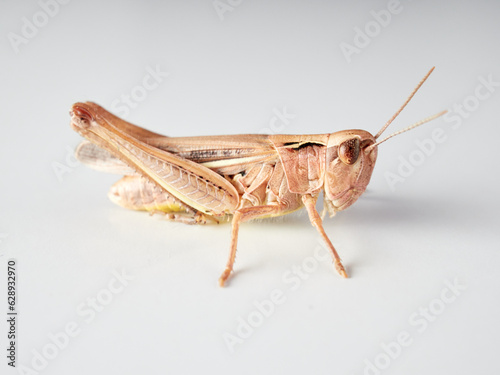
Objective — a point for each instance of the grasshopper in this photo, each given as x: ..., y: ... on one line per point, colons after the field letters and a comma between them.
x: 237, y: 178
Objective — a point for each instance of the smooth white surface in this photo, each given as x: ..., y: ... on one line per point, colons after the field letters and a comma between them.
x: 228, y: 76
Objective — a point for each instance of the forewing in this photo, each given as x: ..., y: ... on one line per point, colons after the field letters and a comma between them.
x: 226, y: 155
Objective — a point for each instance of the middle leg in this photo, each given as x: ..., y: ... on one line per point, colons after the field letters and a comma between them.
x: 240, y: 216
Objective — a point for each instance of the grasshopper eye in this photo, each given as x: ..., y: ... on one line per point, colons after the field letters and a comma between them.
x: 349, y: 151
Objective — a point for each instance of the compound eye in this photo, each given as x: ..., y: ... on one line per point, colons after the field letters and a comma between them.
x: 349, y: 151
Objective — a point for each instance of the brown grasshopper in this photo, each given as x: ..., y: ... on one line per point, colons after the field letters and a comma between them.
x: 196, y: 180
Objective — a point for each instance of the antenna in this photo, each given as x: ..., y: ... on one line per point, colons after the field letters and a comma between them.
x: 404, y: 105
x: 421, y: 122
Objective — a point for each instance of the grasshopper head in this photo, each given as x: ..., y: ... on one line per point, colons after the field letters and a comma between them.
x: 351, y: 156
x: 349, y: 166
x: 350, y: 159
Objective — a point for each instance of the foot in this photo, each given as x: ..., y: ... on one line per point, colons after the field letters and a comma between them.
x: 225, y: 275
x: 340, y: 269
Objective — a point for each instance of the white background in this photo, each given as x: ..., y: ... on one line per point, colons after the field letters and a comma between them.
x: 229, y: 71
